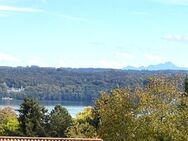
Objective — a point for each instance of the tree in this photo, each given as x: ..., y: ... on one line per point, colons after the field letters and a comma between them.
x: 81, y: 130
x: 183, y: 112
x: 160, y: 116
x: 32, y: 118
x: 117, y: 116
x: 83, y: 125
x: 158, y: 112
x: 186, y: 85
x: 59, y: 121
x: 8, y: 122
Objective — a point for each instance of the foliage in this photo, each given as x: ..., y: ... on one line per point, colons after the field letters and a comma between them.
x: 117, y: 116
x: 159, y: 113
x: 8, y: 122
x: 186, y: 85
x: 83, y: 125
x: 59, y: 121
x: 71, y: 84
x: 156, y: 113
x: 32, y: 118
x: 81, y: 130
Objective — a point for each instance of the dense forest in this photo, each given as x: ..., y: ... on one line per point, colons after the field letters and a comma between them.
x: 156, y: 112
x: 72, y: 84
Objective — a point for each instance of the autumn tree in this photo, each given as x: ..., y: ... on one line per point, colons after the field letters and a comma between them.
x: 161, y: 118
x: 84, y: 125
x: 8, y: 122
x: 158, y: 112
x: 117, y: 116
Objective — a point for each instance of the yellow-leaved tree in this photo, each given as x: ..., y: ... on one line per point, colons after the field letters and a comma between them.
x: 84, y: 125
x: 157, y: 112
x: 8, y: 122
x: 117, y: 116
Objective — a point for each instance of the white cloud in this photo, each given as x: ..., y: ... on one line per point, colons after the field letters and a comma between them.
x: 153, y: 58
x: 175, y: 37
x: 18, y: 9
x: 8, y: 58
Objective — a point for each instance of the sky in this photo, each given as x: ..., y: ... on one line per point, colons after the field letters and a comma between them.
x: 93, y: 33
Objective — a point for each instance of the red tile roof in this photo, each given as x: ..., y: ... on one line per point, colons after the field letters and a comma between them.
x: 2, y: 138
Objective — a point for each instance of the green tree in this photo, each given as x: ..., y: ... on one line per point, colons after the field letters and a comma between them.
x: 83, y: 125
x: 117, y: 116
x: 161, y: 114
x: 59, y: 121
x: 158, y: 112
x: 3, y: 88
x: 81, y: 130
x: 32, y: 118
x: 186, y: 85
x: 8, y: 122
x: 182, y: 113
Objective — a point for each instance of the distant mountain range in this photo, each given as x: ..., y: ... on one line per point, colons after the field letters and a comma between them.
x: 162, y: 66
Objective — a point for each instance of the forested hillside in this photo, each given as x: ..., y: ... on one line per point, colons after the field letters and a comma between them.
x: 157, y: 112
x: 72, y: 84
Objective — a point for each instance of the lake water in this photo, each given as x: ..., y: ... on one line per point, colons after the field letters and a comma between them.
x: 72, y: 107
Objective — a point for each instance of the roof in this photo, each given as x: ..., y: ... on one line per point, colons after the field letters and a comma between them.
x: 3, y: 138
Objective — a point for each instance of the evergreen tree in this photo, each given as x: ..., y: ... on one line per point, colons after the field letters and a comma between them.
x: 32, y: 118
x: 186, y: 85
x: 59, y: 121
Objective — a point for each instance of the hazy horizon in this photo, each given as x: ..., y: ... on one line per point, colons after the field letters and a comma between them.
x: 160, y: 66
x: 93, y: 34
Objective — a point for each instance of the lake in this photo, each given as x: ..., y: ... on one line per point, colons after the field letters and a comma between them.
x: 73, y: 107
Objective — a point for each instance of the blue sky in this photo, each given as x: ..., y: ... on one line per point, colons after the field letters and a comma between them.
x: 93, y: 33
